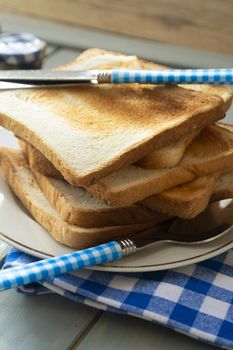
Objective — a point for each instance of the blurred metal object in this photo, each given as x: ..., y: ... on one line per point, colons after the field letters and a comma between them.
x: 21, y: 51
x: 215, y: 220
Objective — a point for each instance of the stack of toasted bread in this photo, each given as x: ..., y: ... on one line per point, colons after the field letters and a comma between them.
x: 103, y: 162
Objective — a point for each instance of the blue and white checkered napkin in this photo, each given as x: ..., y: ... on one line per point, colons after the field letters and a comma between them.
x: 196, y: 300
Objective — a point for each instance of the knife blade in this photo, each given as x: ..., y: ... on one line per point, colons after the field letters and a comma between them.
x: 12, y: 86
x: 43, y: 76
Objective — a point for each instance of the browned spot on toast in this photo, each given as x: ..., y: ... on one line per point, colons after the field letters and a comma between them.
x: 104, y: 108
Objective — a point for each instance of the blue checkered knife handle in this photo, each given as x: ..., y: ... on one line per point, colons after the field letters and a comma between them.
x: 171, y: 76
x: 21, y: 275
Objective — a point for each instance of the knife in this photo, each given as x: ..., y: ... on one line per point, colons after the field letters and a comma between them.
x: 49, y: 78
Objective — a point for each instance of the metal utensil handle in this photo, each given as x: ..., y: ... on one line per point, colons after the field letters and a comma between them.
x: 170, y: 76
x: 21, y: 275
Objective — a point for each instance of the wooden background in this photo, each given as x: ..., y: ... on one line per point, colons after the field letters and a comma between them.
x: 199, y: 24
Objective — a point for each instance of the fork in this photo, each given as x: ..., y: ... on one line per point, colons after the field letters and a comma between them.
x: 52, y: 267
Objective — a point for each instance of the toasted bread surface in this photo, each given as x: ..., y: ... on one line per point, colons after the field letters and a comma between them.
x: 186, y: 200
x: 210, y: 152
x: 165, y: 157
x: 223, y: 188
x: 170, y: 155
x: 37, y: 161
x: 76, y: 206
x: 133, y: 183
x: 219, y: 90
x: 89, y: 132
x: 24, y: 185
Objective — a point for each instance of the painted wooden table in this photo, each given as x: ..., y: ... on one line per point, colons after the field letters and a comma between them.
x: 50, y: 321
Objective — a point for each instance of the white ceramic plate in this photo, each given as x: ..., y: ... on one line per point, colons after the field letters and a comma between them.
x: 19, y: 230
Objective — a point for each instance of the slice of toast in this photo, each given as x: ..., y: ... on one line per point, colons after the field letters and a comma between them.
x: 165, y: 157
x: 170, y: 155
x: 186, y: 200
x: 190, y: 199
x: 133, y: 183
x: 90, y: 131
x: 202, y: 148
x: 218, y: 90
x: 37, y: 161
x: 210, y: 152
x: 216, y: 143
x: 24, y: 185
x: 223, y: 188
x: 76, y: 206
x: 156, y: 178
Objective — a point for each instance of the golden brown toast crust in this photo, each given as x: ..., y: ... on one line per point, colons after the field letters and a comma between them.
x: 223, y: 188
x: 186, y: 200
x: 111, y: 118
x: 11, y: 164
x: 211, y: 151
x: 37, y: 161
x: 148, y: 182
x: 190, y: 199
x: 208, y: 153
x: 58, y: 194
x: 170, y: 155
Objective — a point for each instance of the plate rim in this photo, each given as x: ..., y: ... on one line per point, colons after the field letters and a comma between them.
x: 128, y: 269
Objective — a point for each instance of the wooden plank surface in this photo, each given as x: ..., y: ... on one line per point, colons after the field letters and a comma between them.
x: 199, y: 24
x: 123, y: 332
x: 41, y: 322
x: 74, y: 37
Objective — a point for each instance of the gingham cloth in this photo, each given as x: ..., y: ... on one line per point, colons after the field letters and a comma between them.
x: 196, y: 300
x: 174, y: 76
